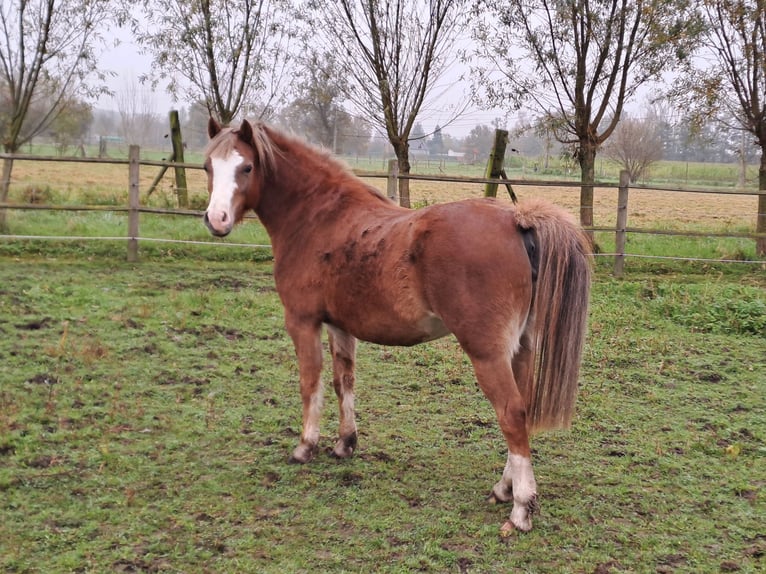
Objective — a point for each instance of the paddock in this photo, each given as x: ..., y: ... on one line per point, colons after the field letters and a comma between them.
x: 140, y: 432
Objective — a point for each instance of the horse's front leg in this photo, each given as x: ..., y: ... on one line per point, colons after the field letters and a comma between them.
x: 343, y: 350
x: 308, y: 348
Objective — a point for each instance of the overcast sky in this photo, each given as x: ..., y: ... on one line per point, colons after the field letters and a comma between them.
x: 128, y: 64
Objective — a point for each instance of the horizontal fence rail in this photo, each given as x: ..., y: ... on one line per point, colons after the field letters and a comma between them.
x: 134, y: 208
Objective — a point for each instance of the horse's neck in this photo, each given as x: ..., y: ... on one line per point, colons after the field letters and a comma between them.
x: 301, y: 183
x: 307, y: 187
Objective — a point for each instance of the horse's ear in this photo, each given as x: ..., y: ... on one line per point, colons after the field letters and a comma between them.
x: 245, y: 132
x: 213, y: 127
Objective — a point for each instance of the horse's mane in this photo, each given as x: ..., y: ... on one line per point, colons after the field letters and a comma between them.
x: 277, y: 139
x: 270, y: 144
x: 263, y: 145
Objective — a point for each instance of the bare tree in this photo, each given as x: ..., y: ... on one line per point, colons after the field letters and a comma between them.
x: 734, y: 85
x: 635, y: 145
x: 578, y: 62
x: 48, y: 58
x: 230, y: 54
x: 393, y: 53
x: 137, y: 112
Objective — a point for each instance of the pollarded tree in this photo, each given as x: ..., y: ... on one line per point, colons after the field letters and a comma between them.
x: 734, y: 84
x: 578, y: 62
x: 392, y: 53
x: 230, y: 54
x: 48, y: 58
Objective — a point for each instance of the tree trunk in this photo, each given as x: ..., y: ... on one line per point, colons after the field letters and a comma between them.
x: 760, y: 221
x: 587, y: 178
x: 402, y: 151
x: 5, y: 187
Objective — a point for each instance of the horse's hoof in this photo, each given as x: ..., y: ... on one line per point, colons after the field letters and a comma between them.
x: 341, y: 452
x: 345, y: 447
x: 302, y: 454
x: 509, y: 528
x: 521, y: 515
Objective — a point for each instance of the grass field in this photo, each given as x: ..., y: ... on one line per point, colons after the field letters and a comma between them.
x: 147, y: 412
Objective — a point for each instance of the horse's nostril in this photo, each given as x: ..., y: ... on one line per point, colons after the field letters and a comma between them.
x: 224, y: 217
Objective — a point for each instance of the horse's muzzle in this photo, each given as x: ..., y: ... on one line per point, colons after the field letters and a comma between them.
x: 220, y: 226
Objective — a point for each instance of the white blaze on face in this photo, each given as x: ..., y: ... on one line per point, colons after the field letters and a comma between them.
x: 220, y: 212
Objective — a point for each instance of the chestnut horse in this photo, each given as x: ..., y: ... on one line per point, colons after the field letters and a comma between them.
x: 510, y: 282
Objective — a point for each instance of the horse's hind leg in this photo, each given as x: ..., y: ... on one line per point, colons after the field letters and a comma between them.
x: 343, y: 350
x: 496, y: 378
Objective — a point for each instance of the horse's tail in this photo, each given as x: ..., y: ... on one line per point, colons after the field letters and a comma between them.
x: 560, y: 254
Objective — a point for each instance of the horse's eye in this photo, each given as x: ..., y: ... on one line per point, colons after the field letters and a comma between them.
x: 248, y: 168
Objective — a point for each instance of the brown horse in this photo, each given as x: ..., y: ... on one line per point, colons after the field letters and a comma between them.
x: 510, y: 282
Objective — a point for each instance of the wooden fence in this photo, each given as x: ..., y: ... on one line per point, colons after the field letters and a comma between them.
x: 134, y: 208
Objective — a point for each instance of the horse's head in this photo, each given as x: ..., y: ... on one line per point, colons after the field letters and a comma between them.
x: 232, y: 162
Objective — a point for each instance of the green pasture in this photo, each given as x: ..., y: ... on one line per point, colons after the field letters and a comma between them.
x: 147, y: 412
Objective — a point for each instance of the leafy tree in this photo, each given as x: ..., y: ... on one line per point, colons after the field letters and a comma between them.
x: 733, y: 85
x: 578, y: 62
x: 48, y: 59
x: 479, y: 141
x: 317, y: 111
x: 230, y: 54
x: 72, y: 127
x: 392, y: 52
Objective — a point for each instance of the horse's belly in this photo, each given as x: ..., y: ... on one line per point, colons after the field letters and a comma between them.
x: 388, y: 331
x: 433, y: 327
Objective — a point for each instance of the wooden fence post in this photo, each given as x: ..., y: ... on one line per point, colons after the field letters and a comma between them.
x: 178, y: 156
x: 622, y: 223
x: 393, y: 180
x: 495, y: 162
x: 133, y: 203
